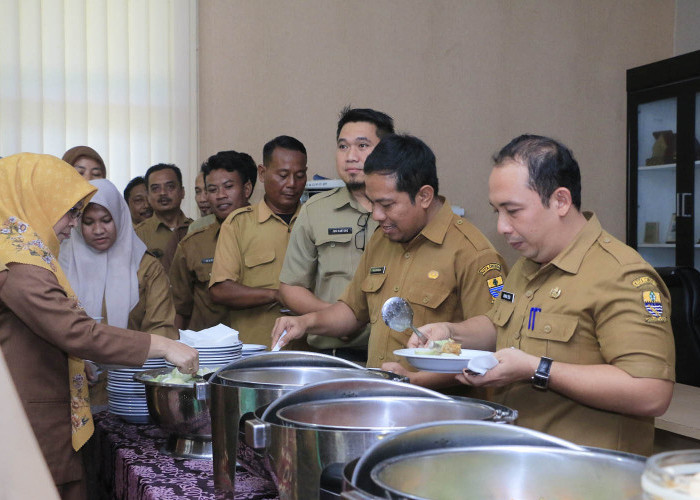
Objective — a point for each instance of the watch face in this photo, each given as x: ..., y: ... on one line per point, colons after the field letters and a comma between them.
x: 539, y: 381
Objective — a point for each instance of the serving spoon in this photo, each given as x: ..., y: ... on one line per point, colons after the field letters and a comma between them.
x: 398, y: 315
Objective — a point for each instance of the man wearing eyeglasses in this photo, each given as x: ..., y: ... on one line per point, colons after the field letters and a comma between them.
x: 332, y: 230
x: 439, y: 262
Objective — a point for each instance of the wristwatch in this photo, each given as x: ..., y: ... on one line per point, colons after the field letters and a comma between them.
x: 540, y: 380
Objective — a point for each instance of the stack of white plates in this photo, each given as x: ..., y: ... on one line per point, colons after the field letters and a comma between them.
x: 251, y: 349
x: 216, y: 357
x: 127, y: 398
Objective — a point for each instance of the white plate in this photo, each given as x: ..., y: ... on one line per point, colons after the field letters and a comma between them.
x: 440, y: 364
x: 253, y: 347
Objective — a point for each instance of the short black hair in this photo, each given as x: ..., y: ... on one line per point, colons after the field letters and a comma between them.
x: 406, y: 157
x: 136, y: 181
x: 383, y: 122
x: 284, y: 142
x: 163, y: 166
x: 550, y: 165
x: 232, y: 161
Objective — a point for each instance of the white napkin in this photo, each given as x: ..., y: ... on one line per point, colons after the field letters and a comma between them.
x: 278, y: 346
x: 482, y: 364
x: 216, y: 336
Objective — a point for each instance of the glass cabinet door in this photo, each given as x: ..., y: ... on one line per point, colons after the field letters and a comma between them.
x: 696, y: 162
x: 656, y: 181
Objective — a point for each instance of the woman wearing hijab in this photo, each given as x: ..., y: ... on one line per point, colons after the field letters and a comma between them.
x: 110, y: 271
x: 87, y: 162
x: 44, y: 332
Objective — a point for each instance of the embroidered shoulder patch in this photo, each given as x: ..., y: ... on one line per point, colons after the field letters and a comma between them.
x: 490, y: 267
x: 495, y: 286
x: 652, y: 303
x: 644, y: 280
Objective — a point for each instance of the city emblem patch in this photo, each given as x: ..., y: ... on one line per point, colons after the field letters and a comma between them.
x: 652, y: 303
x: 495, y: 286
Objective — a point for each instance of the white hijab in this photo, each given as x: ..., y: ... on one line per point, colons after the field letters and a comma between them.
x: 109, y: 275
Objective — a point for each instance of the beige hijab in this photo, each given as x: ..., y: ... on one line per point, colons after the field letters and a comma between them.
x: 73, y: 154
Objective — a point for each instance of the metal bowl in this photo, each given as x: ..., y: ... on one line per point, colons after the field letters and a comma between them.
x: 522, y: 472
x: 177, y: 410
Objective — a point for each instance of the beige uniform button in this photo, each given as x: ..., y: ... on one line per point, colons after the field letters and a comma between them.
x: 425, y: 300
x: 528, y: 294
x: 333, y: 244
x: 407, y: 255
x: 547, y: 329
x: 607, y: 240
x: 517, y: 335
x: 460, y: 222
x: 396, y: 288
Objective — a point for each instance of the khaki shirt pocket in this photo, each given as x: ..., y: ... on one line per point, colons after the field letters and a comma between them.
x: 553, y: 333
x: 502, y: 314
x: 203, y: 272
x: 333, y: 255
x: 260, y: 271
x: 371, y: 286
x: 426, y: 301
x: 427, y: 296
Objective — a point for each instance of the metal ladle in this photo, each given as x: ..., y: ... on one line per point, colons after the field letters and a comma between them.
x: 398, y: 315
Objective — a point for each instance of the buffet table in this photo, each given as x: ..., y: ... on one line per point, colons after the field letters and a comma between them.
x: 124, y: 462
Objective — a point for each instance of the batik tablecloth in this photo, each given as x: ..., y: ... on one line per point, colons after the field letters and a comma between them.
x: 124, y: 462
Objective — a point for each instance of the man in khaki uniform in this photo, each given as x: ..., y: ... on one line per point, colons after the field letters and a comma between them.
x: 424, y: 253
x: 136, y: 196
x: 332, y: 231
x: 229, y: 179
x: 165, y: 194
x: 253, y: 240
x: 582, y: 328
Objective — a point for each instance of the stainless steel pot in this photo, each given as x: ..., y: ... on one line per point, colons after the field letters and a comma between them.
x: 522, y: 472
x: 324, y: 424
x: 439, y: 436
x: 241, y: 387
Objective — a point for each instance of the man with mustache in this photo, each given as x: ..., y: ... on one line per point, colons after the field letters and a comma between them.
x: 165, y: 194
x: 581, y: 326
x: 229, y: 178
x: 439, y: 262
x: 253, y: 240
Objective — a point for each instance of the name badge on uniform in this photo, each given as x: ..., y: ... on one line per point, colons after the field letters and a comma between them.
x: 208, y: 261
x: 339, y: 230
x: 507, y: 296
x: 377, y: 270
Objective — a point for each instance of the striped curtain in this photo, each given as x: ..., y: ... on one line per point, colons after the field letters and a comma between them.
x: 119, y: 76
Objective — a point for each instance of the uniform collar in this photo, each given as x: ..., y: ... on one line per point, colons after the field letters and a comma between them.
x: 182, y: 220
x: 571, y: 258
x: 344, y: 197
x: 436, y: 229
x: 264, y: 212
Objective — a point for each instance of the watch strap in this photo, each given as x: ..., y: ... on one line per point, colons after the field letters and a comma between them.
x: 540, y: 380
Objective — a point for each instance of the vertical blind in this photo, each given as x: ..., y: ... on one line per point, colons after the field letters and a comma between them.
x: 119, y: 76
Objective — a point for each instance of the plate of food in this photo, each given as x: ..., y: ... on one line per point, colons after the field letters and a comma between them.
x: 444, y: 356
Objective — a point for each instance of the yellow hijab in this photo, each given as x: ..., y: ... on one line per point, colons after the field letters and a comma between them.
x: 36, y: 191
